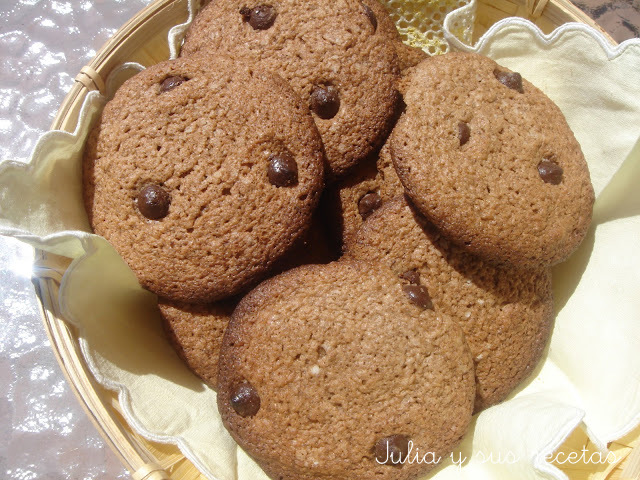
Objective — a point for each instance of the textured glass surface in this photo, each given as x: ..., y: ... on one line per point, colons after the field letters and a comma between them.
x: 44, y: 433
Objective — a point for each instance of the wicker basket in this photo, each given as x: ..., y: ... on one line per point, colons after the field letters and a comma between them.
x: 143, y: 40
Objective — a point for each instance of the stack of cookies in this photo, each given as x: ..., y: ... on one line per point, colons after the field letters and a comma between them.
x: 350, y: 242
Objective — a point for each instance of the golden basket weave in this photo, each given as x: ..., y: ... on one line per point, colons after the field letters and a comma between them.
x: 144, y: 40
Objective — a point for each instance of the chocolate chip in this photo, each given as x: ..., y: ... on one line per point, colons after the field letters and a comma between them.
x: 260, y: 17
x: 170, y: 83
x: 464, y: 132
x: 153, y: 202
x: 283, y: 170
x: 392, y: 450
x: 371, y: 16
x: 513, y: 80
x: 368, y: 204
x: 411, y: 276
x: 325, y: 101
x: 419, y: 295
x: 550, y: 172
x: 245, y: 400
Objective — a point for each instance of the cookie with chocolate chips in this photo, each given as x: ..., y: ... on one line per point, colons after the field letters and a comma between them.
x: 202, y: 174
x: 354, y: 198
x: 195, y: 332
x: 408, y: 56
x: 492, y: 162
x: 505, y: 313
x: 330, y: 52
x: 332, y: 371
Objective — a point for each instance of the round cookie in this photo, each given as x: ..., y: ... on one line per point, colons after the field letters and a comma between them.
x: 313, y: 248
x: 358, y: 195
x: 505, y: 313
x: 195, y: 332
x: 330, y: 53
x: 324, y: 366
x: 491, y: 161
x: 202, y: 173
x: 408, y: 56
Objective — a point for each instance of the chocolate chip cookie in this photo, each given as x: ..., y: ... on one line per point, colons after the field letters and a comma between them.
x: 195, y: 331
x: 314, y: 247
x: 505, y: 313
x: 329, y: 52
x: 408, y: 56
x: 492, y: 162
x: 326, y: 370
x: 363, y: 191
x: 202, y: 174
